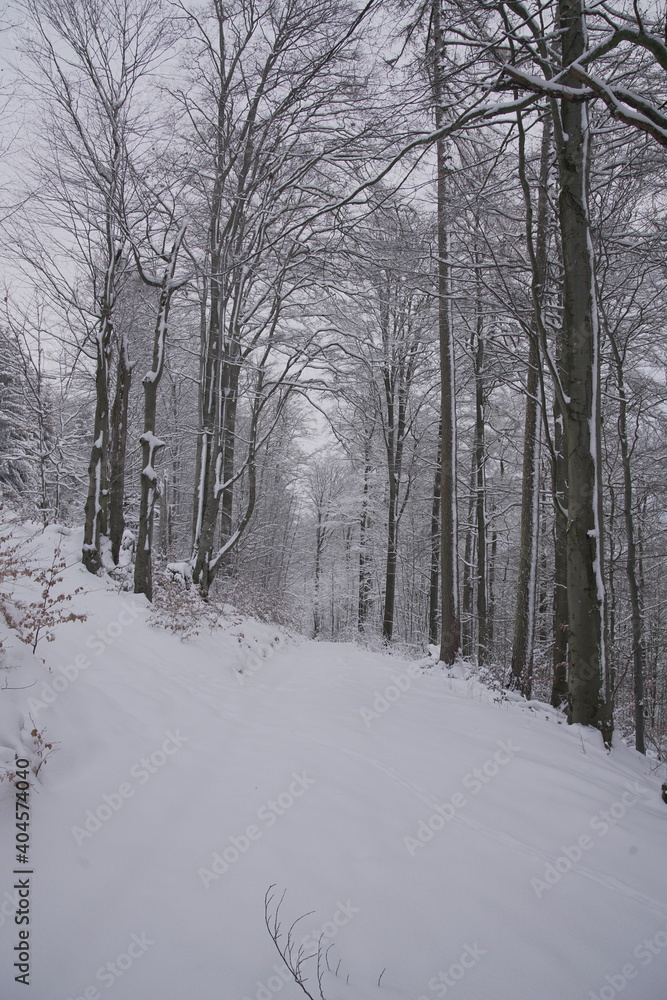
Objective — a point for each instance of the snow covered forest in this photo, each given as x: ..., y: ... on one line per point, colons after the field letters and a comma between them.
x: 333, y: 373
x: 351, y: 316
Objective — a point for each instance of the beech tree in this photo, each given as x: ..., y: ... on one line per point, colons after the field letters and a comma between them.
x: 274, y: 77
x: 89, y: 58
x: 450, y: 640
x: 150, y: 442
x: 526, y: 597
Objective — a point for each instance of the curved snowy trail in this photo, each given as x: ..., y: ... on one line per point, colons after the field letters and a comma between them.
x: 455, y: 843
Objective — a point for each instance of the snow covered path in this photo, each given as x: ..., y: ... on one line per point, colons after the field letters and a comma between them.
x: 466, y: 848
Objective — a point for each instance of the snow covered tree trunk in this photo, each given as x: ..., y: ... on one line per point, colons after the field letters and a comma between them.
x: 434, y: 575
x: 559, y: 691
x: 588, y: 682
x: 212, y: 350
x: 467, y: 625
x: 317, y: 590
x: 150, y: 444
x: 491, y: 599
x: 118, y: 448
x: 230, y: 392
x: 165, y: 519
x: 365, y: 580
x: 480, y: 487
x: 450, y: 637
x: 216, y: 463
x: 392, y: 556
x: 397, y: 373
x: 206, y: 495
x: 524, y: 620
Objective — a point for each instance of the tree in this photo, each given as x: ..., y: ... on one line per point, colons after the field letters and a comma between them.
x: 645, y: 42
x: 382, y: 367
x: 589, y: 684
x: 450, y: 640
x: 150, y: 443
x: 89, y: 58
x: 23, y: 440
x: 524, y: 622
x: 273, y: 77
x: 577, y: 385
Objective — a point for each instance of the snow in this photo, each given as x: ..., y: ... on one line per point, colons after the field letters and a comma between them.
x: 441, y: 837
x: 152, y: 441
x: 179, y: 571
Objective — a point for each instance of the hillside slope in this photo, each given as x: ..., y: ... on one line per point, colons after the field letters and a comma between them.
x: 440, y: 842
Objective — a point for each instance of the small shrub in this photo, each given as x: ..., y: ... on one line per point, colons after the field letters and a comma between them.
x: 181, y: 610
x: 32, y: 620
x: 254, y: 601
x: 41, y: 752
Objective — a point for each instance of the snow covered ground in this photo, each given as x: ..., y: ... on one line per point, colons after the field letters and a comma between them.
x: 441, y: 842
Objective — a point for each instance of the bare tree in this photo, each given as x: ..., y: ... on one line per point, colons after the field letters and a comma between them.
x: 273, y: 77
x: 150, y: 443
x: 89, y: 59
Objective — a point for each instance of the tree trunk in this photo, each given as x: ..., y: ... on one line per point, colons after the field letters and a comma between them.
x: 201, y: 449
x: 317, y: 597
x: 97, y: 501
x: 165, y: 518
x: 450, y: 636
x: 588, y: 682
x: 392, y: 557
x: 636, y: 603
x: 480, y: 496
x: 491, y: 611
x: 468, y: 632
x: 434, y: 575
x: 364, y: 524
x: 118, y: 448
x: 524, y: 621
x: 230, y: 394
x: 559, y: 689
x: 150, y: 444
x: 212, y: 352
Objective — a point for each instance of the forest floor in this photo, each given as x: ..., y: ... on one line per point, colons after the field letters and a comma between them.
x: 441, y: 839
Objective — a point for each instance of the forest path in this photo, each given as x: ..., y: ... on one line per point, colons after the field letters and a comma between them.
x: 411, y: 813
